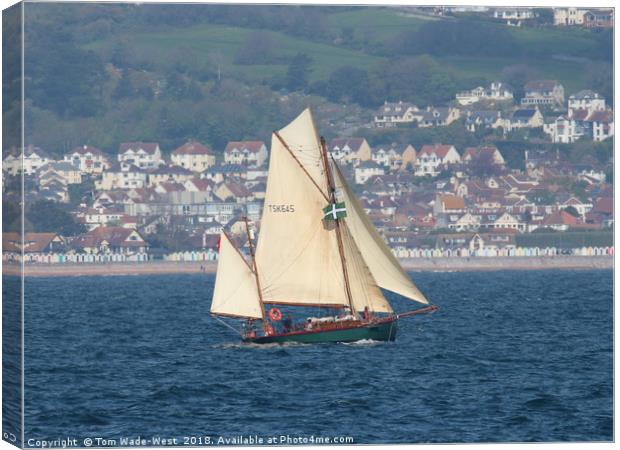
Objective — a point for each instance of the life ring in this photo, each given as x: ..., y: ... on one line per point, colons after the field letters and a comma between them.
x: 275, y: 314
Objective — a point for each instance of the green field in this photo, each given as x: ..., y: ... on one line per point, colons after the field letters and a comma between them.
x: 371, y: 29
x: 376, y: 24
x: 205, y: 42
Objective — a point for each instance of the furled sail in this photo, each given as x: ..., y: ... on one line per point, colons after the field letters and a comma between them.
x: 235, y: 292
x: 297, y: 253
x: 382, y: 263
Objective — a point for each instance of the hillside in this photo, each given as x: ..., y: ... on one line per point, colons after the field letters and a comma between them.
x: 169, y: 73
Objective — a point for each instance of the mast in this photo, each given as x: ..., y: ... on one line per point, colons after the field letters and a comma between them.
x: 332, y: 196
x: 260, y: 293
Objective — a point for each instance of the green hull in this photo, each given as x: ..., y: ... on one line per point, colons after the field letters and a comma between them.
x: 385, y: 331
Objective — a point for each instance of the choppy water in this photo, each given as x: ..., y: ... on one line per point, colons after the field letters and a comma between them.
x: 510, y: 356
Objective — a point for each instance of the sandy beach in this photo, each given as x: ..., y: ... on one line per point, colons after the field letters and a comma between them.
x: 418, y: 264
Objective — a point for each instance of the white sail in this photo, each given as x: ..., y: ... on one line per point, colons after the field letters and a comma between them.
x: 382, y: 263
x: 364, y: 290
x: 297, y: 255
x: 235, y: 293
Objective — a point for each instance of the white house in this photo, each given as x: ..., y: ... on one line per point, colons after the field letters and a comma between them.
x: 509, y: 221
x: 122, y: 175
x: 144, y: 155
x: 586, y: 99
x: 88, y: 159
x: 366, y: 170
x: 543, y: 93
x: 394, y: 156
x: 391, y: 114
x: 564, y: 130
x: 432, y: 158
x: 467, y: 222
x: 514, y: 16
x: 496, y: 91
x: 193, y: 156
x: 29, y: 161
x: 568, y: 16
x: 602, y: 125
x: 246, y: 153
x: 169, y: 174
x: 67, y: 171
x: 349, y: 150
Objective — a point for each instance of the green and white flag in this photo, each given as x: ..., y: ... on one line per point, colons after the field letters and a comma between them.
x: 335, y: 211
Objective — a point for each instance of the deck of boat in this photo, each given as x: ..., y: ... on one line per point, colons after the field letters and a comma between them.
x: 347, y: 331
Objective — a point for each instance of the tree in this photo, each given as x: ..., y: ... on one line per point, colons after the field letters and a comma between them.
x: 50, y: 216
x: 72, y: 88
x: 297, y: 73
x: 345, y: 84
x: 600, y: 78
x: 11, y: 216
x: 449, y: 37
x: 418, y: 79
x: 483, y: 165
x: 544, y: 16
x: 124, y: 87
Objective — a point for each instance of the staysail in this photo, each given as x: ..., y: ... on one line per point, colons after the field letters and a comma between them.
x: 235, y: 292
x: 382, y: 263
x: 364, y: 289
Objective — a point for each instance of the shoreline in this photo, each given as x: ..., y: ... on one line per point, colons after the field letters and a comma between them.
x: 562, y: 262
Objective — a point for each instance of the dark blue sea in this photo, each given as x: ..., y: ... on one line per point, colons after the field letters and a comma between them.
x: 510, y: 356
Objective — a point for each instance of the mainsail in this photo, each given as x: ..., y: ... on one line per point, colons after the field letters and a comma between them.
x: 297, y: 253
x: 235, y: 293
x: 382, y: 263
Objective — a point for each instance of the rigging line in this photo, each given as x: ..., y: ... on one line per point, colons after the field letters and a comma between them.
x: 227, y: 325
x: 301, y: 165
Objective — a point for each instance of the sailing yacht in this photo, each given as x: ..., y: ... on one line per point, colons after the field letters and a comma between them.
x: 318, y: 267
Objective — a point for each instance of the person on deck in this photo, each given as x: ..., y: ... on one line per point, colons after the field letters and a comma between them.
x: 367, y: 314
x: 286, y: 324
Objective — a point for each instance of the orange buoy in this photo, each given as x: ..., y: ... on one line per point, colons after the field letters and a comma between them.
x: 275, y: 314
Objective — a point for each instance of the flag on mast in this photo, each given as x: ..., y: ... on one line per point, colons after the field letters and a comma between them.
x: 335, y: 211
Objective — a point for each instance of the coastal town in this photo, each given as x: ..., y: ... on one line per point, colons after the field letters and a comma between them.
x: 537, y: 182
x: 436, y: 200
